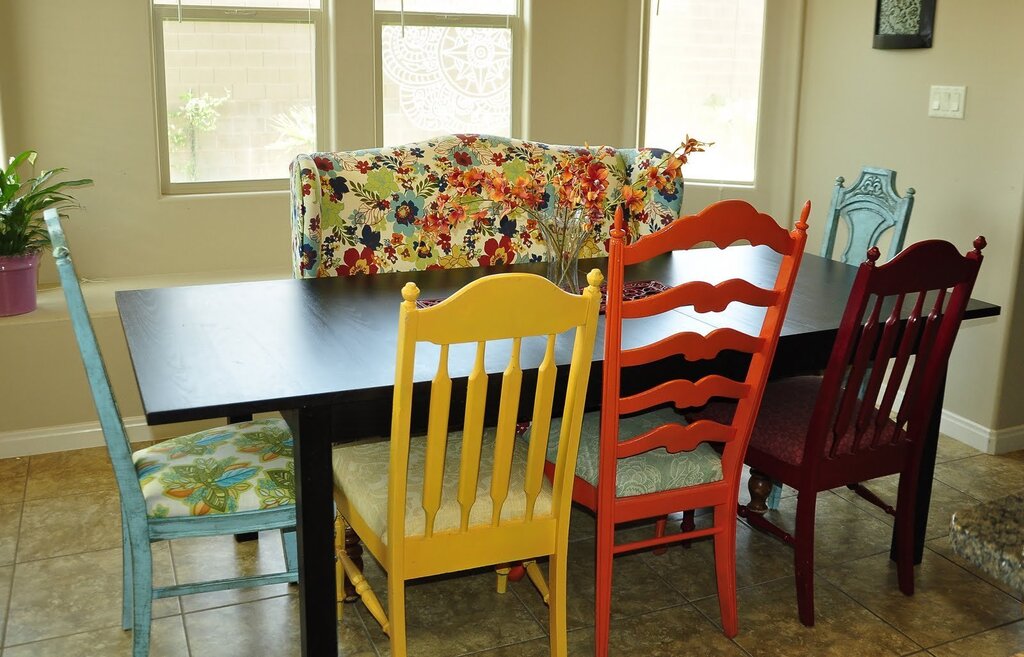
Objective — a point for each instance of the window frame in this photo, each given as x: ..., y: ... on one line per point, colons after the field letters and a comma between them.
x: 645, y: 34
x: 512, y: 22
x: 161, y: 13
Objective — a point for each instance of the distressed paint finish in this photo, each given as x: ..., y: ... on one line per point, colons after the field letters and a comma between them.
x: 139, y: 530
x: 869, y: 208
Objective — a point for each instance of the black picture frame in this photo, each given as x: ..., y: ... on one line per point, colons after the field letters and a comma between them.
x: 922, y: 38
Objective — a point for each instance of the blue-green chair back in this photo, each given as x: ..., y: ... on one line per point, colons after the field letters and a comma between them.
x: 138, y: 529
x: 870, y: 208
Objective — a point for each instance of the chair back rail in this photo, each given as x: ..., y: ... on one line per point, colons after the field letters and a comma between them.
x: 723, y: 224
x: 868, y: 208
x: 873, y: 357
x: 476, y: 315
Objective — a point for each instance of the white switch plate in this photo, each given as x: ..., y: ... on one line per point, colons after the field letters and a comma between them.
x: 947, y: 101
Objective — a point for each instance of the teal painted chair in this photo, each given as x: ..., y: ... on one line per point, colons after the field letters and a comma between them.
x: 227, y: 480
x: 870, y: 208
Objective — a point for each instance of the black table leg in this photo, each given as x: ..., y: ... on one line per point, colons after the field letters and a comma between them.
x: 315, y: 530
x: 926, y: 473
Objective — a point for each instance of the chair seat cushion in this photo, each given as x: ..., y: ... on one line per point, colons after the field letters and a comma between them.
x: 239, y: 467
x: 782, y: 420
x: 650, y: 472
x: 361, y: 472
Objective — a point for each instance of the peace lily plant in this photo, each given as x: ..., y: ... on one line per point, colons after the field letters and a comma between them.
x: 23, y: 234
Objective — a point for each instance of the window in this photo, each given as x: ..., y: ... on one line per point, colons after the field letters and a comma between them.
x: 237, y: 86
x: 446, y: 66
x: 703, y: 77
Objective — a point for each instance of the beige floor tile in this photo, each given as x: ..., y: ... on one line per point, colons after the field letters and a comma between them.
x: 769, y: 626
x: 665, y: 633
x: 951, y: 449
x: 264, y: 628
x: 943, y: 547
x: 10, y: 527
x: 57, y: 526
x: 842, y: 531
x: 217, y: 557
x: 1003, y: 641
x: 75, y: 472
x: 6, y: 577
x: 985, y: 477
x: 452, y: 614
x: 945, y: 501
x: 73, y: 594
x: 167, y: 640
x: 691, y: 570
x: 948, y: 602
x: 636, y: 587
x: 13, y: 474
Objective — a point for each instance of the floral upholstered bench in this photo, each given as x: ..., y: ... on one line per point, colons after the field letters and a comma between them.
x: 461, y: 201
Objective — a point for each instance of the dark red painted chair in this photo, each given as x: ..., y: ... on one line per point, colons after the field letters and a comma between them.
x: 816, y: 433
x: 633, y: 436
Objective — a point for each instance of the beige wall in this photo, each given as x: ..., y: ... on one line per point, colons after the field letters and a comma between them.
x: 93, y: 112
x: 861, y: 106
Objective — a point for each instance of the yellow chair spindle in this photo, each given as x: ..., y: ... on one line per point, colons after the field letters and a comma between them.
x: 508, y: 410
x: 540, y: 426
x: 472, y: 435
x: 437, y: 440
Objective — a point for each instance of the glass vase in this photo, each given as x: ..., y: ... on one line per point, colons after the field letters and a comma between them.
x: 564, y: 232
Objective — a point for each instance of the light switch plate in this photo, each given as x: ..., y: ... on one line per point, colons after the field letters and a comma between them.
x: 947, y: 102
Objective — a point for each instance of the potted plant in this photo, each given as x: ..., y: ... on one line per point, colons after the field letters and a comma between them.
x: 23, y: 234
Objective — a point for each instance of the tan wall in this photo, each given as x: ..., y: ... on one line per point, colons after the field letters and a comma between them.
x: 861, y: 106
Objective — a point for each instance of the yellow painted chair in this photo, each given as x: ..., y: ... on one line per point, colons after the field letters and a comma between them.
x: 476, y: 497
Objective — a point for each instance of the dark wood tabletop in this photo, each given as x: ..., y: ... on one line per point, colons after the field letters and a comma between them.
x: 322, y: 351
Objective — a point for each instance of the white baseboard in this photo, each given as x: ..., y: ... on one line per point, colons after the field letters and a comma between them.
x: 64, y: 437
x: 978, y: 436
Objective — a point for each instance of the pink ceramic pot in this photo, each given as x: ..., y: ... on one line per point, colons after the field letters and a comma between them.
x: 18, y: 283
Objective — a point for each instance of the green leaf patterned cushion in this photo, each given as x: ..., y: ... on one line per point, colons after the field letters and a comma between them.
x: 361, y: 471
x: 649, y: 472
x: 238, y: 467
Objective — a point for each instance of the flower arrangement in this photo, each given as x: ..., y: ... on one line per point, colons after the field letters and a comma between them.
x: 565, y: 199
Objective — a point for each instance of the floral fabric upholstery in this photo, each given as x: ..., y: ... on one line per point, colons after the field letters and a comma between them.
x: 437, y: 205
x: 238, y: 467
x: 782, y: 421
x: 649, y: 472
x: 361, y: 470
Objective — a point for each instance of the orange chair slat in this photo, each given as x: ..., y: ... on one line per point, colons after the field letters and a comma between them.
x: 704, y: 297
x: 684, y: 394
x: 723, y: 223
x: 676, y: 438
x: 692, y: 346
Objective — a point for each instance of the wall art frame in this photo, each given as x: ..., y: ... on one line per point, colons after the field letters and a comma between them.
x: 901, y: 24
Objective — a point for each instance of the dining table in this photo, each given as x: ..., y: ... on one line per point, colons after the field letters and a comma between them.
x: 322, y: 353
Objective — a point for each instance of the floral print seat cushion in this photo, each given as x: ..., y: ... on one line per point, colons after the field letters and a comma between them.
x: 238, y: 467
x: 457, y: 201
x: 361, y: 471
x: 649, y: 472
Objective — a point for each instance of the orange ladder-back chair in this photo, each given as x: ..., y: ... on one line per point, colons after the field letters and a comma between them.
x: 451, y: 500
x: 722, y: 223
x: 816, y: 433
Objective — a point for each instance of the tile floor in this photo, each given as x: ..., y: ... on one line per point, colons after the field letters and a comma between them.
x: 60, y: 575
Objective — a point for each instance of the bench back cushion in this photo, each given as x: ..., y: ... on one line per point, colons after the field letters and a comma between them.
x: 421, y: 206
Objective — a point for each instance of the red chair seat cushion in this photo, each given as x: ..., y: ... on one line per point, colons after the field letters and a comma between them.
x: 782, y: 421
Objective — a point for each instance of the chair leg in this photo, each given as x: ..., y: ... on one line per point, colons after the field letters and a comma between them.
x: 557, y: 625
x: 502, y: 571
x: 142, y: 596
x: 725, y: 569
x: 904, y: 528
x: 355, y: 552
x: 291, y: 550
x: 603, y: 585
x: 126, y: 579
x: 537, y: 577
x: 804, y: 556
x: 340, y: 579
x: 365, y: 592
x: 688, y: 524
x: 760, y: 487
x: 659, y: 531
x: 396, y: 612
